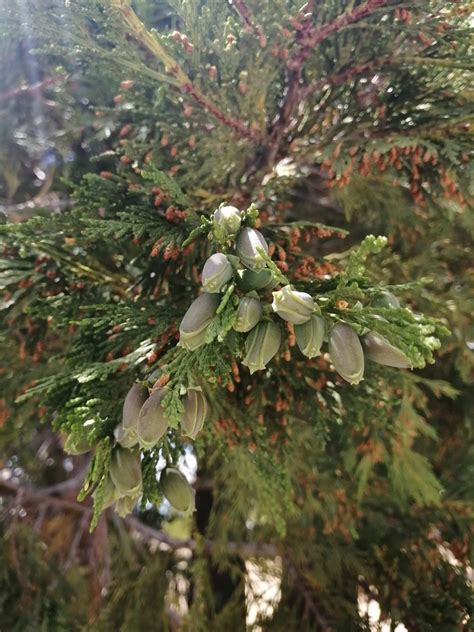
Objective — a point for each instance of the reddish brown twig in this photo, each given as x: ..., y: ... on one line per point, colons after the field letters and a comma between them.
x: 242, y: 9
x: 344, y: 76
x: 307, y: 39
x: 151, y: 43
x: 29, y: 89
x: 234, y: 123
x: 313, y: 38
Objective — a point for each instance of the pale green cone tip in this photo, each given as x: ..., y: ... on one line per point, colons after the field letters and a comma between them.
x: 76, y: 445
x: 192, y: 330
x: 127, y: 438
x: 310, y: 336
x: 177, y: 490
x: 227, y: 220
x: 293, y: 306
x: 152, y: 423
x: 248, y: 314
x: 134, y: 400
x: 381, y: 351
x: 126, y: 505
x: 195, y: 412
x: 249, y: 242
x: 346, y: 353
x: 125, y: 471
x: 216, y: 273
x: 261, y: 345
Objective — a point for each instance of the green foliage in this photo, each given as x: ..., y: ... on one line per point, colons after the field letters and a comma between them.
x: 34, y: 596
x: 338, y: 120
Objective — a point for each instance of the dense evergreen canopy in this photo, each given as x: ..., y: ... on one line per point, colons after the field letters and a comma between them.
x: 169, y: 454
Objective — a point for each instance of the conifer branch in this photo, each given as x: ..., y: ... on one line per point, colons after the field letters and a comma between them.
x: 311, y: 607
x: 141, y: 34
x: 344, y: 76
x: 307, y: 39
x: 315, y: 37
x: 237, y: 125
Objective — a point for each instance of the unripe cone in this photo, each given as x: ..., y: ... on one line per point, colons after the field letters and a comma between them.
x: 125, y: 505
x: 125, y: 471
x: 381, y: 351
x: 310, y: 336
x: 249, y: 280
x: 249, y: 242
x: 192, y: 331
x: 226, y: 221
x: 346, y: 353
x: 248, y: 315
x: 385, y: 299
x: 177, y: 490
x: 126, y: 438
x: 152, y: 422
x: 195, y: 411
x: 76, y: 445
x: 294, y: 307
x: 216, y: 273
x: 261, y: 345
x: 136, y: 397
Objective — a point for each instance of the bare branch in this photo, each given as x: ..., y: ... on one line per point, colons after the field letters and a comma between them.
x: 149, y: 534
x: 35, y: 496
x: 344, y: 76
x: 242, y: 549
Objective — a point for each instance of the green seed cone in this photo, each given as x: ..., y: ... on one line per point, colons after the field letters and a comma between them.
x: 346, y: 353
x: 293, y: 306
x: 248, y: 315
x: 248, y: 243
x: 126, y: 438
x: 310, y: 336
x: 250, y: 280
x: 152, y: 422
x: 385, y: 299
x: 216, y: 273
x: 177, y: 490
x: 125, y: 471
x: 134, y: 400
x: 261, y: 345
x: 125, y: 505
x: 192, y: 331
x: 226, y: 221
x: 381, y: 351
x: 76, y: 445
x: 195, y: 411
